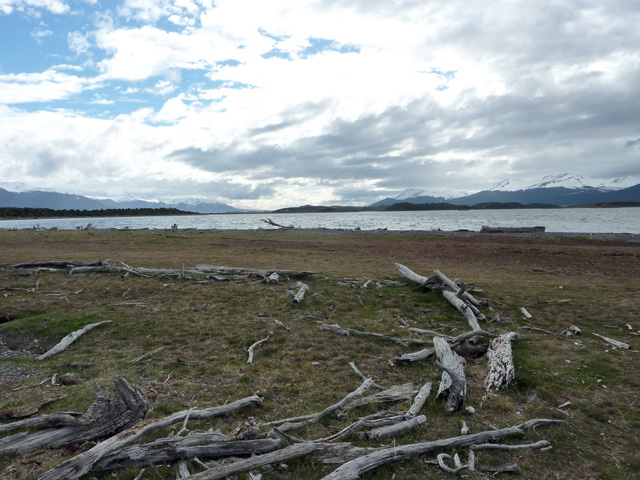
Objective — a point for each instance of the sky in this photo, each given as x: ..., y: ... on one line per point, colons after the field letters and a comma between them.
x: 267, y: 104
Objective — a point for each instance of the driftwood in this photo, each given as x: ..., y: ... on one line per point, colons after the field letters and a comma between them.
x: 268, y: 221
x: 463, y: 308
x: 419, y: 401
x: 171, y: 449
x: 337, y: 329
x: 397, y: 428
x: 260, y: 273
x: 77, y: 466
x: 486, y: 229
x: 59, y: 265
x: 223, y: 471
x: 291, y: 424
x: 500, y: 364
x: 396, y: 393
x: 416, y: 356
x: 353, y: 469
x: 302, y: 288
x: 69, y: 339
x: 613, y: 342
x: 461, y: 293
x: 258, y: 343
x: 104, y: 418
x: 453, y: 385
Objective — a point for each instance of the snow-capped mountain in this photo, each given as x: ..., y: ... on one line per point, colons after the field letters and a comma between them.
x: 564, y: 189
x: 567, y: 180
x: 19, y: 187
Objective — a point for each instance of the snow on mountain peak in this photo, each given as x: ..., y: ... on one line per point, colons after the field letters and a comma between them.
x: 20, y: 187
x: 567, y: 180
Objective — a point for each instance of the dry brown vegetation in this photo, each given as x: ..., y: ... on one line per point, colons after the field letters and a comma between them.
x: 207, y: 328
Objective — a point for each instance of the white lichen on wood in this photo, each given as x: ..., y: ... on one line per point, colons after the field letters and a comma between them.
x: 500, y: 364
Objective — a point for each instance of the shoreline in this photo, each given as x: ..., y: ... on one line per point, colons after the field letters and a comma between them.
x: 610, y: 236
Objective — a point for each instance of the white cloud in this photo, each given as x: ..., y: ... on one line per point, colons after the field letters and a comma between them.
x: 54, y: 6
x: 40, y: 33
x: 78, y: 42
x: 41, y: 87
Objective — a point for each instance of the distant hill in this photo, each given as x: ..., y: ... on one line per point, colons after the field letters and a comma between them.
x: 20, y: 195
x: 564, y: 190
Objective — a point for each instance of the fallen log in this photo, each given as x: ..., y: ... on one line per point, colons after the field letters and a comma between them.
x: 463, y: 294
x: 79, y: 465
x: 428, y: 283
x: 416, y: 356
x: 60, y: 265
x: 69, y: 339
x: 171, y: 449
x: 104, y: 418
x: 223, y: 471
x: 353, y: 469
x: 302, y: 288
x: 463, y: 308
x: 397, y: 428
x: 453, y: 385
x: 396, y: 393
x: 419, y: 401
x: 486, y: 229
x: 500, y: 364
x: 337, y: 329
x: 314, y: 418
x: 615, y: 343
x: 268, y: 221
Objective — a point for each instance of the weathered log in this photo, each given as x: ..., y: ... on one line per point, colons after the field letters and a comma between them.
x: 273, y: 278
x: 416, y: 356
x: 397, y: 428
x: 396, y: 393
x: 336, y: 406
x: 226, y: 470
x: 337, y: 329
x: 453, y: 385
x: 106, y: 268
x: 463, y: 308
x: 302, y: 288
x: 268, y: 221
x: 615, y: 343
x: 170, y: 449
x: 353, y: 469
x: 260, y: 273
x: 500, y: 364
x: 64, y: 265
x: 418, y: 401
x: 486, y: 229
x: 425, y: 283
x: 105, y: 417
x: 49, y: 421
x: 69, y: 339
x: 79, y: 465
x: 473, y: 302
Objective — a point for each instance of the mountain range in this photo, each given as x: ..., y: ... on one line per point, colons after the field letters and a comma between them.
x: 22, y: 195
x: 565, y: 190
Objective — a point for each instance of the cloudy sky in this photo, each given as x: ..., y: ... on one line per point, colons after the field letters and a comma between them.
x: 264, y: 104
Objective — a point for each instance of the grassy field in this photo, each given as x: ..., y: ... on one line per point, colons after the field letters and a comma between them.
x: 207, y: 328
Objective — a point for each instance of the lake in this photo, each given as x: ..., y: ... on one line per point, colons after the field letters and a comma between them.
x: 574, y: 220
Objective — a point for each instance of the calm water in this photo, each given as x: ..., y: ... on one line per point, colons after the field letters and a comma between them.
x: 588, y: 220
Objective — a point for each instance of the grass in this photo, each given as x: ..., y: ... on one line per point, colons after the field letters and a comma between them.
x: 207, y: 328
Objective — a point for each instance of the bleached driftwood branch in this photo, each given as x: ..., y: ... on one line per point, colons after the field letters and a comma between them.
x: 453, y: 385
x: 258, y: 343
x: 69, y: 339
